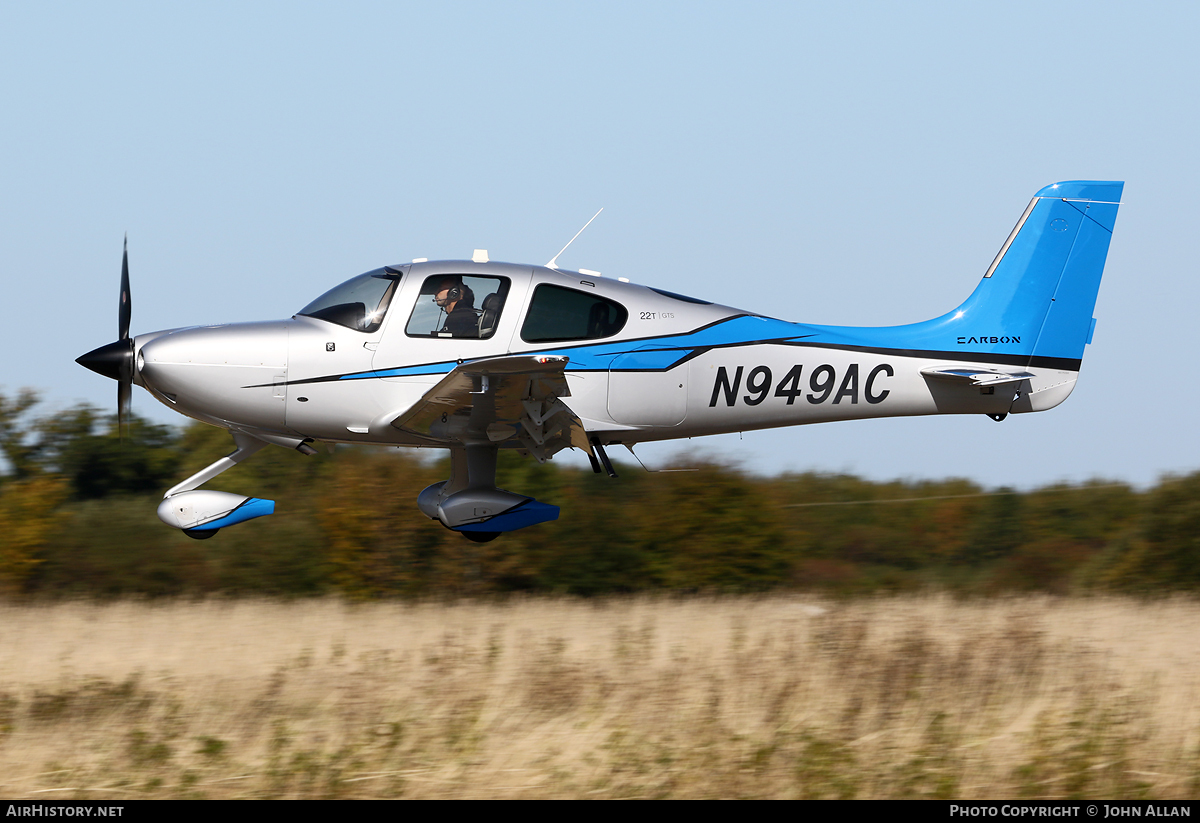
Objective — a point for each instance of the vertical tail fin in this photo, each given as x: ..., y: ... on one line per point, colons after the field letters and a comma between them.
x: 1041, y: 288
x: 1034, y: 304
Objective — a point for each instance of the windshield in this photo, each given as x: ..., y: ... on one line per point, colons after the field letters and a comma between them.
x: 360, y: 303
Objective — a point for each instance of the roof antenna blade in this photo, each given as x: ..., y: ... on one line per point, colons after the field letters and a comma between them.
x: 553, y: 264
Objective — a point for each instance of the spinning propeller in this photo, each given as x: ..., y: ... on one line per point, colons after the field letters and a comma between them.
x: 115, y: 360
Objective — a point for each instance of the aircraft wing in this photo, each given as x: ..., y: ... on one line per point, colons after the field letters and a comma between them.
x: 500, y: 400
x: 976, y: 377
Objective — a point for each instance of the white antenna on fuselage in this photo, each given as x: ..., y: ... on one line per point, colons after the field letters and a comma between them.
x: 553, y: 264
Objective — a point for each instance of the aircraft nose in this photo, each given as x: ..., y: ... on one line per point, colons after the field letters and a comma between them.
x: 235, y: 372
x: 253, y: 346
x: 107, y: 359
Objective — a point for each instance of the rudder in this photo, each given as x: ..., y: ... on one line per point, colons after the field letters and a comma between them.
x: 1068, y: 322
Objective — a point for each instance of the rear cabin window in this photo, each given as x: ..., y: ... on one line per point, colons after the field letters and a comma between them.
x: 557, y: 315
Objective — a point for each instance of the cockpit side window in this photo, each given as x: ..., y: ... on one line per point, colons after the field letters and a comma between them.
x: 360, y: 303
x: 458, y: 306
x: 557, y: 315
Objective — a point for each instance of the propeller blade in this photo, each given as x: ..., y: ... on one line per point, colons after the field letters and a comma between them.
x: 115, y: 360
x: 126, y: 308
x: 124, y: 396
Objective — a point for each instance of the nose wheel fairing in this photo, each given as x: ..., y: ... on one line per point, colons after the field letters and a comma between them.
x: 209, y: 510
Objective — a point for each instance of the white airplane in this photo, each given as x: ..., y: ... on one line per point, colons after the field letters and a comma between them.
x: 475, y: 356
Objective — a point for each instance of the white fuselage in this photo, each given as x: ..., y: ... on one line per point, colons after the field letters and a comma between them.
x: 668, y: 373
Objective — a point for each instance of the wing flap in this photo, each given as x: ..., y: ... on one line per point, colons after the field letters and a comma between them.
x: 500, y: 400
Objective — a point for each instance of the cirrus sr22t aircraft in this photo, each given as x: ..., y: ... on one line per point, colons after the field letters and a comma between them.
x: 475, y: 356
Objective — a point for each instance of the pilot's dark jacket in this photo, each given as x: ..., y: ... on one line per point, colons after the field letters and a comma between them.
x: 462, y: 322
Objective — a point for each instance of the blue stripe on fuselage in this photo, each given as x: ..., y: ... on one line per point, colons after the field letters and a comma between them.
x: 660, y: 353
x: 652, y: 352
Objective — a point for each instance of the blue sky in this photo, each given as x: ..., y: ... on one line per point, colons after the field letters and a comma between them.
x: 828, y: 163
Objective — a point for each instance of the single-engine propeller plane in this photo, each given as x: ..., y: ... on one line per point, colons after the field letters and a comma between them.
x: 475, y: 356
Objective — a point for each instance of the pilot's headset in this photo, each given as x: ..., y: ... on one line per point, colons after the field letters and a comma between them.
x: 453, y: 296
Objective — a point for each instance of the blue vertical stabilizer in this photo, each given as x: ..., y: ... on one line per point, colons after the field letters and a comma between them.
x: 1034, y: 304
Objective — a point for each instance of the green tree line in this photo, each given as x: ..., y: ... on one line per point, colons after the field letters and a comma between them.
x: 77, y: 516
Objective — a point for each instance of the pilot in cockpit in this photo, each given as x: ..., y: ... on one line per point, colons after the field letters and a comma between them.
x: 458, y: 302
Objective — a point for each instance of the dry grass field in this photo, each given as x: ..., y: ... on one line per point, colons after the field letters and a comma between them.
x: 729, y: 697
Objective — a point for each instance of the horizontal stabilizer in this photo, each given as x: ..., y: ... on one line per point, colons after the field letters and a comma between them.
x: 976, y: 377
